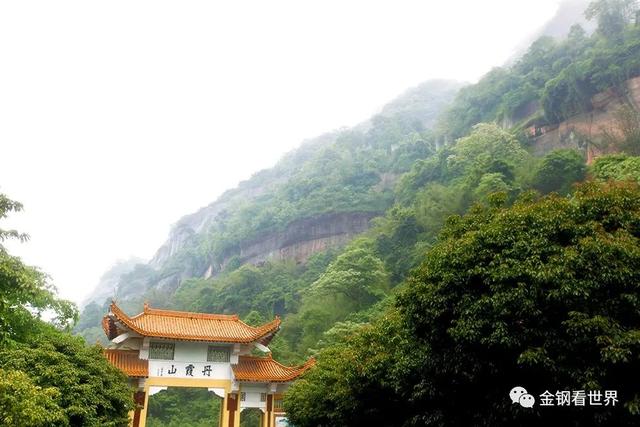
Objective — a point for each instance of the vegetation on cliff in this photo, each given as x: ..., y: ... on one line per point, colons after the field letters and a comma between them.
x: 542, y: 293
x: 483, y: 262
x: 561, y: 76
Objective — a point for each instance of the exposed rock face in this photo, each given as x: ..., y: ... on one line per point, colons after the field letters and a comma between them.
x: 195, y: 223
x: 584, y: 131
x: 178, y: 236
x: 108, y: 284
x: 297, y: 242
x: 184, y: 254
x: 304, y: 237
x: 260, y: 183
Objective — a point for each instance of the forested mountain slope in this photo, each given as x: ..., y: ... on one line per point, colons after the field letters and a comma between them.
x: 262, y: 247
x: 284, y: 242
x: 504, y: 270
x: 341, y: 238
x: 313, y: 201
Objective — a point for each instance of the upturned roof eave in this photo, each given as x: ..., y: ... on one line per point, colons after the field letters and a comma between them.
x: 264, y: 332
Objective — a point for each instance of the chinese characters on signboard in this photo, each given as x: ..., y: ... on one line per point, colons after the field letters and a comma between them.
x: 189, y: 370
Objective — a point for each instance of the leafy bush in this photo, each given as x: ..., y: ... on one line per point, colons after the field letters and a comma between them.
x: 541, y: 294
x: 558, y: 170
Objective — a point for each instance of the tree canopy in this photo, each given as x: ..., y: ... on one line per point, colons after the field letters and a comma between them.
x: 543, y: 294
x: 48, y: 377
x: 24, y: 290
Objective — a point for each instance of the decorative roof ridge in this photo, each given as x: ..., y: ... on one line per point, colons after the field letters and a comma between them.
x: 188, y: 314
x: 124, y: 318
x: 267, y: 357
x: 120, y: 314
x: 258, y: 332
x: 267, y: 327
x: 308, y: 364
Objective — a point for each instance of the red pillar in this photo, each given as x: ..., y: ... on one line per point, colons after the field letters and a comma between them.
x: 232, y: 407
x: 138, y: 400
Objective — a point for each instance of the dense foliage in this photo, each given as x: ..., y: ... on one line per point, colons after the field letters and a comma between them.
x: 543, y: 294
x: 560, y: 76
x: 22, y: 402
x: 85, y: 388
x: 558, y: 170
x: 183, y: 407
x: 24, y: 290
x: 618, y: 167
x: 408, y: 323
x: 48, y: 377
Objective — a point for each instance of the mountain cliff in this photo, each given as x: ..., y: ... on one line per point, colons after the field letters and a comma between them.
x: 299, y: 207
x: 325, y: 236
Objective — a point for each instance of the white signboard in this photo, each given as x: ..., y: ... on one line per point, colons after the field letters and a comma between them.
x: 201, y: 370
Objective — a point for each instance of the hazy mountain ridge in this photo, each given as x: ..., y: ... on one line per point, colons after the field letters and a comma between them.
x: 569, y: 13
x: 416, y: 110
x: 281, y: 243
x: 108, y: 285
x: 419, y: 106
x: 259, y: 183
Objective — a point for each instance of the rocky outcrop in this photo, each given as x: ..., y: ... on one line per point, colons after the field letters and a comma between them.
x: 260, y: 183
x: 195, y: 223
x: 419, y: 106
x: 108, y: 284
x: 584, y: 131
x: 301, y: 239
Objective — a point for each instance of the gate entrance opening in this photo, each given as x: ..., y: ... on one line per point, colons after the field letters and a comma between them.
x: 184, y: 407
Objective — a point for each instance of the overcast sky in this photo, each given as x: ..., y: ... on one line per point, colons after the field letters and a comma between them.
x: 119, y: 117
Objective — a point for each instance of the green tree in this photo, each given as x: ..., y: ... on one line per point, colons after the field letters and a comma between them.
x: 24, y: 291
x: 183, y: 407
x: 558, y: 170
x: 79, y: 379
x: 612, y: 15
x: 357, y: 275
x: 24, y: 403
x: 355, y: 382
x: 542, y: 294
x: 617, y: 167
x: 251, y: 417
x: 435, y: 203
x: 48, y: 377
x: 487, y: 149
x: 491, y: 183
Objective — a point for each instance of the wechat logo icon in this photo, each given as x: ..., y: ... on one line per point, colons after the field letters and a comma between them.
x: 520, y: 395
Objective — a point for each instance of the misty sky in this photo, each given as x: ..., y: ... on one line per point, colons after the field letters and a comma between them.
x: 119, y: 117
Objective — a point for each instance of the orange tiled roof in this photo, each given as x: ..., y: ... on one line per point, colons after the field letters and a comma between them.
x: 128, y: 362
x: 184, y: 325
x: 251, y: 368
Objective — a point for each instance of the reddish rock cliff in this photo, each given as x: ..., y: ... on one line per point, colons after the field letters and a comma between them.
x: 584, y: 131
